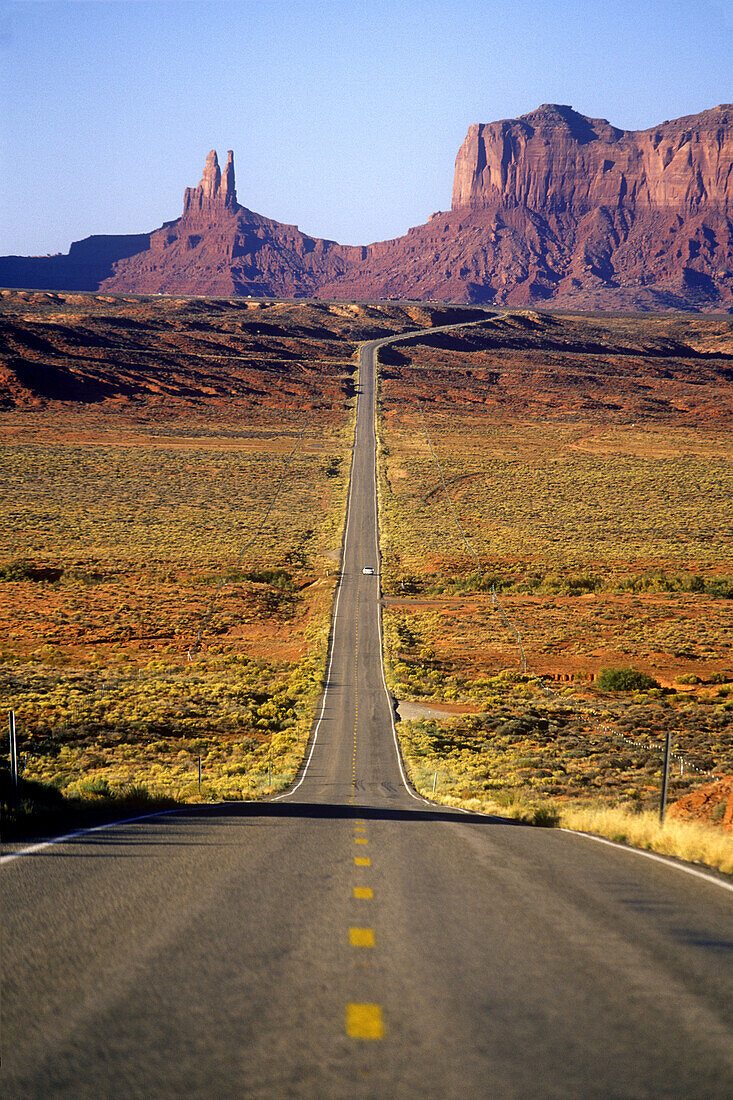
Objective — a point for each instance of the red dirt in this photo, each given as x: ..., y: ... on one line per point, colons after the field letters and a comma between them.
x: 704, y: 804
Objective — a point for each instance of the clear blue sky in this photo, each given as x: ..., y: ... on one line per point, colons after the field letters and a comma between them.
x: 345, y: 116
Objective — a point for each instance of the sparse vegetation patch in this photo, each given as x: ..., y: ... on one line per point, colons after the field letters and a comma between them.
x: 161, y: 611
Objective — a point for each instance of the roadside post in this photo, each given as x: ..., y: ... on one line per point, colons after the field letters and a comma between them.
x: 665, y: 776
x: 13, y: 753
x: 199, y: 775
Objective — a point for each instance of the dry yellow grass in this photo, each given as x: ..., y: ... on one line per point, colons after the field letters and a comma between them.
x: 688, y: 840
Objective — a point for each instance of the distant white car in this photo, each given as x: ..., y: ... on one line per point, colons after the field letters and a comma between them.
x: 368, y: 571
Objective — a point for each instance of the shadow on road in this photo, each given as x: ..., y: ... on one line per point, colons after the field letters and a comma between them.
x: 124, y: 833
x: 372, y: 813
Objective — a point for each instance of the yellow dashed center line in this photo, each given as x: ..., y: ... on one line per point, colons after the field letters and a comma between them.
x: 352, y: 798
x: 364, y: 1021
x: 361, y: 937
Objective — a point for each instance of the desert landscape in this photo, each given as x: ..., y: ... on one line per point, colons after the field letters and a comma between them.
x: 366, y: 451
x: 554, y: 503
x: 175, y: 476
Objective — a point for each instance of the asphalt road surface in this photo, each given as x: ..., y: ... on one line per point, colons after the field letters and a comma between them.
x: 350, y: 940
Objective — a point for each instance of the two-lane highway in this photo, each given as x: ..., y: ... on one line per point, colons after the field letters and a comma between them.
x: 353, y: 758
x: 349, y: 940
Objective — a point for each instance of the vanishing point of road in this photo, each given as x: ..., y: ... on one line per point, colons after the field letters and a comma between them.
x: 348, y: 939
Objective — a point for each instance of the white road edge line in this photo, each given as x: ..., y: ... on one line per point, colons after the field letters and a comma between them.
x: 628, y: 848
x: 417, y: 797
x: 655, y: 856
x: 326, y: 690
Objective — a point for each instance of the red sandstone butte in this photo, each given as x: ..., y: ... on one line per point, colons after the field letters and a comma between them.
x: 552, y: 209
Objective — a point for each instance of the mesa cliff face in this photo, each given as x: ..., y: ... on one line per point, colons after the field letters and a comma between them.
x: 551, y: 208
x: 556, y: 160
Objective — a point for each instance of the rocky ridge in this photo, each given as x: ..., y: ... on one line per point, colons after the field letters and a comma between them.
x: 552, y: 208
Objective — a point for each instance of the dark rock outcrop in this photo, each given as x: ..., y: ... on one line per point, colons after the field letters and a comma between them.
x: 86, y: 265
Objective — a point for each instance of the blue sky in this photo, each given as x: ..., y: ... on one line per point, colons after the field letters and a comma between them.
x: 345, y: 116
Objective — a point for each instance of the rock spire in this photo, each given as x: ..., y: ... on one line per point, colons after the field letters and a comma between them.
x: 216, y: 191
